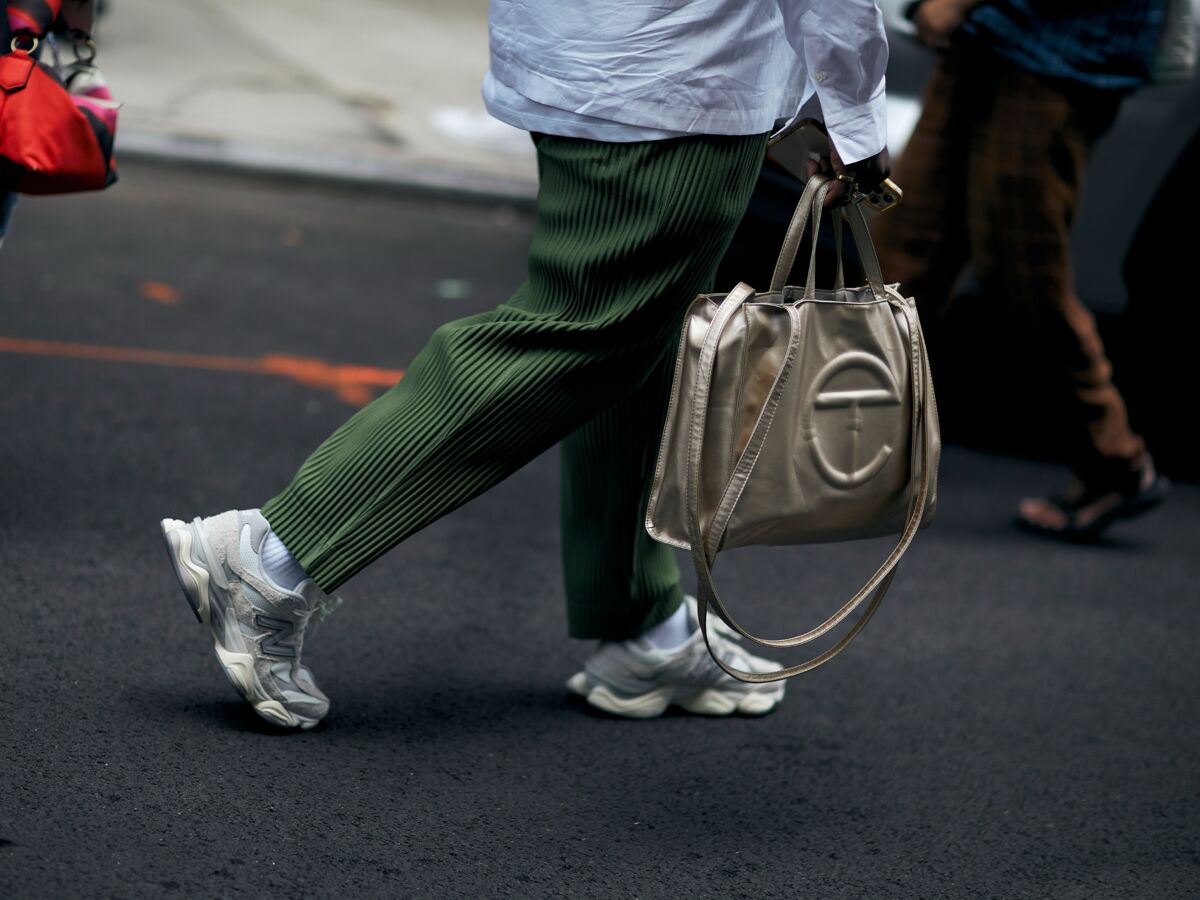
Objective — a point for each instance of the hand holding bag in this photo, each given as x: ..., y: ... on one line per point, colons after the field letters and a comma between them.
x: 799, y: 416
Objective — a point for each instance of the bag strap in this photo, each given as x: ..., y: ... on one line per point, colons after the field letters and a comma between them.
x: 866, y: 250
x: 704, y: 548
x: 839, y: 282
x: 810, y: 207
x: 795, y: 232
x: 818, y: 209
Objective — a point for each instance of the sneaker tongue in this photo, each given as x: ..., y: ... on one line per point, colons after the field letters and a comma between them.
x: 259, y: 527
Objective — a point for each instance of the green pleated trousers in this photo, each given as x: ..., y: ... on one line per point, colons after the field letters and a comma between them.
x: 582, y: 353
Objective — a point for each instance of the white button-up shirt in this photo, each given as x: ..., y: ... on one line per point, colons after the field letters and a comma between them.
x: 627, y: 70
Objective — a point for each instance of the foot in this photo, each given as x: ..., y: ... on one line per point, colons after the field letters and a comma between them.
x: 1085, y: 511
x: 258, y: 627
x: 637, y: 680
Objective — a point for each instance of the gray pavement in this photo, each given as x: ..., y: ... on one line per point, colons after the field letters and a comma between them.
x: 367, y: 89
x: 1018, y: 721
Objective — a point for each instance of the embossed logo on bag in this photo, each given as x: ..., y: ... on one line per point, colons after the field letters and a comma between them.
x: 818, y: 398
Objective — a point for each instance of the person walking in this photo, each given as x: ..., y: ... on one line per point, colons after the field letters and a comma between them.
x: 650, y: 123
x: 992, y: 174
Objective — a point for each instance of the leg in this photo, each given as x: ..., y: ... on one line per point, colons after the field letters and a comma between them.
x: 621, y: 583
x: 626, y: 235
x: 1023, y: 191
x: 1026, y: 172
x: 922, y: 243
x: 619, y: 580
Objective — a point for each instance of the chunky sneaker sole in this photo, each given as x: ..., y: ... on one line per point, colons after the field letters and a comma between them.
x: 206, y: 584
x: 636, y: 680
x: 650, y: 705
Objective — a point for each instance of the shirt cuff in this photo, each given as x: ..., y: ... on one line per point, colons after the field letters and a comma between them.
x: 859, y: 131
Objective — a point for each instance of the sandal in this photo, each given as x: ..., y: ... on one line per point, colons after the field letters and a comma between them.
x: 1085, y: 511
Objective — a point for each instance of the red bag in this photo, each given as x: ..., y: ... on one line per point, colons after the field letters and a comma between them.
x: 51, y: 142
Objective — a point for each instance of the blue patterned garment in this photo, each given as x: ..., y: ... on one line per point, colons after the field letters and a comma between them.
x: 1105, y: 44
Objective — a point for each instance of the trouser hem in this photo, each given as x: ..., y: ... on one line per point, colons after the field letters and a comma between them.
x: 613, y: 622
x: 285, y: 513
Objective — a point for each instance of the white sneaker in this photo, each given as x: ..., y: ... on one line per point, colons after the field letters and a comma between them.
x: 638, y: 680
x: 258, y: 627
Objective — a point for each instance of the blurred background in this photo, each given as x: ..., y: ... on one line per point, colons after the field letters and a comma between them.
x: 307, y: 190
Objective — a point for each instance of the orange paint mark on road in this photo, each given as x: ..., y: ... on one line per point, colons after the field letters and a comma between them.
x: 159, y: 292
x: 351, y: 384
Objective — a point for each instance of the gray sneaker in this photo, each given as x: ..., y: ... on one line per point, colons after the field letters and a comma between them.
x: 258, y: 627
x: 638, y: 680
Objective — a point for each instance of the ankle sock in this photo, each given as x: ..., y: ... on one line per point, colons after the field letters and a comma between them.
x: 281, y: 567
x: 671, y: 631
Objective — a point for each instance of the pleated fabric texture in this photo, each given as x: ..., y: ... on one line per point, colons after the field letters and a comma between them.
x: 625, y: 236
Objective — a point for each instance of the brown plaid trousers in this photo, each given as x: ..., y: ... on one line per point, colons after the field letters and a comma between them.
x: 992, y: 177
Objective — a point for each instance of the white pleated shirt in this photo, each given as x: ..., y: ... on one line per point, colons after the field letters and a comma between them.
x: 631, y: 70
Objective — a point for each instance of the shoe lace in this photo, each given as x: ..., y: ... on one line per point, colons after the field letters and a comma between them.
x: 322, y: 610
x: 704, y: 668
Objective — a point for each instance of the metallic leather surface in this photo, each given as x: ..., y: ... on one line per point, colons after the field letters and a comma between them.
x: 837, y: 462
x: 799, y: 416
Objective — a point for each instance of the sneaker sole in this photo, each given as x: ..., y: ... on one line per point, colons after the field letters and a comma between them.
x: 707, y: 702
x: 188, y: 558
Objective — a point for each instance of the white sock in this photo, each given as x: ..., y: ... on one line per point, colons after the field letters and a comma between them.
x: 280, y: 565
x: 672, y: 631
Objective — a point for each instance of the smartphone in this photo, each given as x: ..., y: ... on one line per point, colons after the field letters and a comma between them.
x: 884, y: 197
x: 806, y: 140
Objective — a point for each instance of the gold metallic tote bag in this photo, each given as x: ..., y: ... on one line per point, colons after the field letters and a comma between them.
x: 799, y: 416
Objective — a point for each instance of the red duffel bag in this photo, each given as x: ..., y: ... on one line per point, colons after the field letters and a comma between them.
x: 51, y: 141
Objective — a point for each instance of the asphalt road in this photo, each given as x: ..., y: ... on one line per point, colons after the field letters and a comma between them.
x: 1018, y: 721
